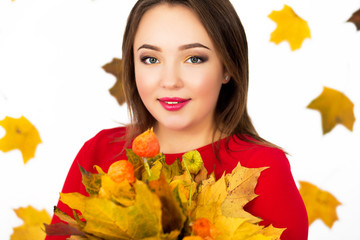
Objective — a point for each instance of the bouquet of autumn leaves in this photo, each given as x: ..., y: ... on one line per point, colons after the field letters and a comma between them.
x: 145, y: 198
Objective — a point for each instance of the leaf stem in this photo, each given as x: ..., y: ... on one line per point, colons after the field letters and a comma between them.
x: 147, y: 167
x: 192, y: 181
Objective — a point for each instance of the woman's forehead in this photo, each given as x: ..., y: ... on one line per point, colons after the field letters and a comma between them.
x: 171, y: 25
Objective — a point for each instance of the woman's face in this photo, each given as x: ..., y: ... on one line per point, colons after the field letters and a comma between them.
x: 177, y: 70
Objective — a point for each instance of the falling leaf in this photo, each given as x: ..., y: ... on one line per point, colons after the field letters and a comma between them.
x: 20, y: 134
x: 319, y: 204
x: 355, y: 18
x: 115, y: 68
x: 290, y: 27
x: 335, y: 108
x: 33, y: 223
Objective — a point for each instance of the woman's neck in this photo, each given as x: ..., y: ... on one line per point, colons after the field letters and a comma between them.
x: 179, y: 141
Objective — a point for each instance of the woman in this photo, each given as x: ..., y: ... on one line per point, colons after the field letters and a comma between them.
x: 186, y: 75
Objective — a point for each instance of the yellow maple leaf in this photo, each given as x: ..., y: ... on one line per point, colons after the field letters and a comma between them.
x: 242, y: 182
x: 20, y: 134
x: 106, y: 219
x: 335, y: 108
x: 115, y: 68
x: 319, y: 204
x: 290, y: 27
x: 222, y: 202
x: 33, y: 224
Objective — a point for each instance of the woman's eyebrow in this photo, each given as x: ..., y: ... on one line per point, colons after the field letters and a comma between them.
x: 183, y: 47
x: 193, y: 45
x: 148, y: 46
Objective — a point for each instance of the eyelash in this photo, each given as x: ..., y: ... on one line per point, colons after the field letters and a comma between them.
x: 146, y: 60
x: 201, y: 59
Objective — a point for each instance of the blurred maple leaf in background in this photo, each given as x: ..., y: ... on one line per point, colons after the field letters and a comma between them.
x: 319, y: 204
x: 355, y: 18
x: 290, y: 27
x: 20, y: 134
x: 335, y: 108
x: 33, y: 224
x: 115, y: 68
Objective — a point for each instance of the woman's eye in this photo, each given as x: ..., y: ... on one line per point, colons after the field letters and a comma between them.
x: 150, y: 60
x: 194, y: 59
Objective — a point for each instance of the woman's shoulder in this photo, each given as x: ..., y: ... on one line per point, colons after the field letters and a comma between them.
x: 254, y: 153
x: 110, y: 133
x: 104, y: 147
x: 107, y: 136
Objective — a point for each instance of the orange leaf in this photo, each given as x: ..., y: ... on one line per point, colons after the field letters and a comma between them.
x: 290, y: 27
x: 319, y: 204
x: 115, y: 68
x: 335, y: 108
x: 355, y: 18
x: 20, y: 134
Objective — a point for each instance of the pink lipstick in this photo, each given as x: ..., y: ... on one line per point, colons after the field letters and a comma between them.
x: 173, y: 103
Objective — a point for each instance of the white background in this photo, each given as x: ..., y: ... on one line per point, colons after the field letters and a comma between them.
x: 51, y: 54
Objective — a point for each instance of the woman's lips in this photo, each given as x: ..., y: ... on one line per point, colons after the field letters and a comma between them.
x: 173, y: 104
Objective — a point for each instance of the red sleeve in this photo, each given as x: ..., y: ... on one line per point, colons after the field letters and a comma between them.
x: 73, y: 183
x: 279, y: 202
x: 102, y: 150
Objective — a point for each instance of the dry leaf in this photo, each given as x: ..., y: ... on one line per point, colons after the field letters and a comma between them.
x: 33, y: 224
x: 172, y: 214
x: 222, y: 203
x: 248, y: 231
x: 163, y: 207
x: 319, y: 204
x: 115, y: 68
x: 355, y: 18
x: 290, y: 27
x: 335, y: 108
x: 106, y: 219
x: 20, y: 134
x: 242, y: 183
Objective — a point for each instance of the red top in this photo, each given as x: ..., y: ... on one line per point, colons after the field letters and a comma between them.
x: 279, y: 202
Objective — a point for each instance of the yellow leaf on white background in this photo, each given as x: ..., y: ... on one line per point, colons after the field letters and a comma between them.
x: 20, y: 134
x: 290, y: 27
x: 33, y: 224
x: 319, y: 204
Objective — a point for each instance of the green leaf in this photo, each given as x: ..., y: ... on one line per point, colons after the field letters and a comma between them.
x: 91, y: 181
x: 64, y: 217
x: 137, y: 163
x: 172, y: 170
x: 155, y: 170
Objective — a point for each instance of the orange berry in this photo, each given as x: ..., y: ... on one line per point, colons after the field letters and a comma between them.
x: 121, y: 170
x: 146, y: 144
x: 202, y: 227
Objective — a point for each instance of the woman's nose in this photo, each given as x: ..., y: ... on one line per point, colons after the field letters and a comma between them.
x: 171, y: 76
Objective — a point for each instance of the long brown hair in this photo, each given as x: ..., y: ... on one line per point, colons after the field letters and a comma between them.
x: 227, y: 33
